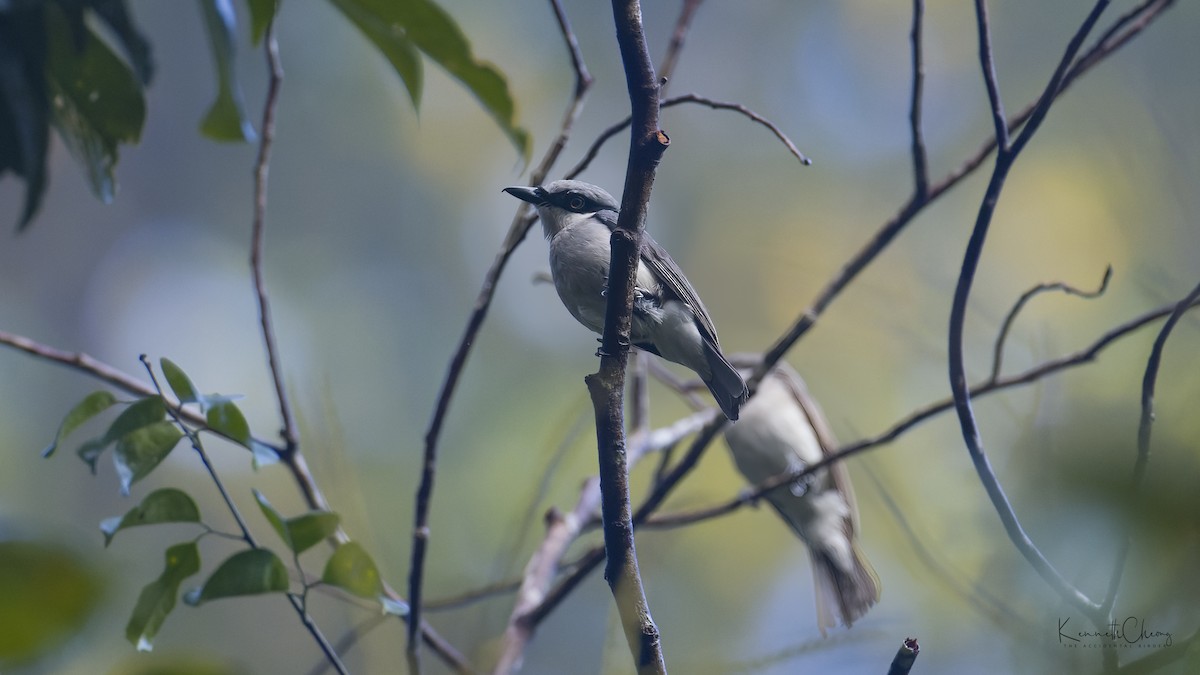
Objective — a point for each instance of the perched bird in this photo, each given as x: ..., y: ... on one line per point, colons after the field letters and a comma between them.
x: 668, y: 318
x: 782, y: 431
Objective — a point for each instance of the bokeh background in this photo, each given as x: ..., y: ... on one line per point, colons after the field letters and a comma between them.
x: 383, y: 220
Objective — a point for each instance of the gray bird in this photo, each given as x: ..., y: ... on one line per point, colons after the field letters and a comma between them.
x: 668, y: 318
x: 782, y: 431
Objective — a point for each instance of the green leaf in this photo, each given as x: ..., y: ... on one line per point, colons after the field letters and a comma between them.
x: 273, y: 517
x: 138, y: 452
x: 247, y: 573
x: 302, y: 532
x: 179, y: 382
x: 168, y: 505
x: 141, y: 413
x: 93, y: 404
x: 46, y: 596
x: 137, y: 48
x: 396, y: 25
x: 261, y: 14
x: 226, y: 419
x: 311, y: 528
x: 96, y: 101
x: 25, y: 113
x: 391, y: 42
x: 226, y: 119
x: 351, y: 568
x: 264, y: 455
x: 158, y: 597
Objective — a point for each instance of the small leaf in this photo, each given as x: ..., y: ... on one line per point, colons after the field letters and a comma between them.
x: 264, y: 455
x: 46, y: 596
x: 179, y: 382
x: 158, y: 597
x: 168, y: 505
x: 93, y: 404
x: 137, y: 48
x: 226, y: 419
x: 273, y: 517
x: 308, y: 530
x: 351, y: 568
x: 138, y: 452
x: 226, y: 120
x: 261, y: 14
x: 96, y: 101
x: 247, y: 573
x: 91, y: 450
x: 396, y: 607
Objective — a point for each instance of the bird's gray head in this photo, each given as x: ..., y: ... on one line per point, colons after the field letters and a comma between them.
x: 563, y: 201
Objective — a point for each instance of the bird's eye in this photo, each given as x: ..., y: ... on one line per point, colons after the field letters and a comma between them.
x: 575, y: 202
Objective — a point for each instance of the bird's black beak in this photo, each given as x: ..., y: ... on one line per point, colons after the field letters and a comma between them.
x: 533, y: 195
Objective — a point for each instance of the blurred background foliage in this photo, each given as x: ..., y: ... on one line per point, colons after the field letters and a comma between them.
x: 382, y: 221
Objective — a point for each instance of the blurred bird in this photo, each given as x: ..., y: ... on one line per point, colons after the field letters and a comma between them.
x: 782, y: 431
x: 668, y: 318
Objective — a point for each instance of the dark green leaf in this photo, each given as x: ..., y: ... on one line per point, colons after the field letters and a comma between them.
x: 24, y: 104
x: 138, y: 452
x: 392, y: 42
x: 226, y: 419
x: 261, y: 14
x: 97, y: 103
x: 351, y: 568
x: 46, y: 595
x: 395, y: 25
x: 142, y: 412
x: 246, y: 573
x: 179, y: 382
x: 226, y: 120
x: 114, y: 13
x: 168, y: 505
x: 273, y: 517
x: 93, y: 404
x: 158, y: 597
x: 310, y: 529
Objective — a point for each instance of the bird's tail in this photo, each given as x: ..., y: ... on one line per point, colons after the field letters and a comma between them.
x: 846, y: 589
x: 724, y: 381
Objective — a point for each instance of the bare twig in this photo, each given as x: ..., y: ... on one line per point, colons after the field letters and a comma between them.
x: 958, y: 381
x: 1145, y: 425
x: 521, y: 223
x: 675, y: 47
x: 258, y: 231
x: 594, y: 149
x: 1006, y: 326
x: 351, y: 638
x: 920, y: 163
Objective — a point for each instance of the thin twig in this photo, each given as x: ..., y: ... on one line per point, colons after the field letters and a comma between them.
x: 258, y: 231
x: 1006, y: 326
x: 920, y: 163
x: 1145, y: 425
x: 351, y: 638
x: 594, y: 149
x: 675, y: 47
x: 957, y: 362
x: 521, y: 223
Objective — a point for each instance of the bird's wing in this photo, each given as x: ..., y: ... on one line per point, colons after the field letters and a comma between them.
x: 667, y: 271
x: 825, y: 437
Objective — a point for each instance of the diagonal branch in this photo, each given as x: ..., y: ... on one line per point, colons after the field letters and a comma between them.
x: 521, y: 223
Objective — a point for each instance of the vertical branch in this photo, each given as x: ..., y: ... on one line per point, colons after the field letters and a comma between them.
x: 1145, y: 425
x: 261, y: 171
x: 519, y: 227
x: 920, y: 163
x: 1005, y: 157
x: 646, y: 146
